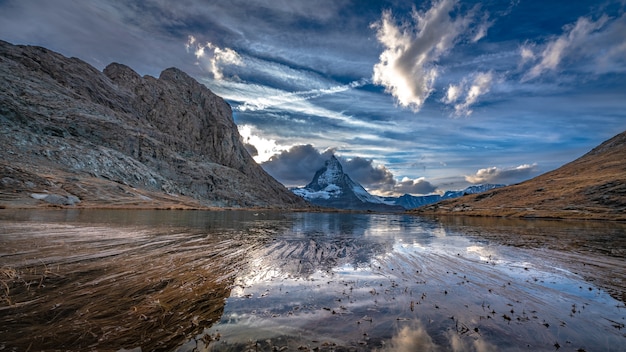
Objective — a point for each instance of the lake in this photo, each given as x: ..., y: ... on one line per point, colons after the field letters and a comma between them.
x: 119, y: 280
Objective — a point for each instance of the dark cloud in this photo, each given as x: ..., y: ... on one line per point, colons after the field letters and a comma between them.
x: 418, y: 186
x: 363, y: 171
x: 297, y: 166
x: 502, y: 175
x: 96, y: 32
x: 378, y: 179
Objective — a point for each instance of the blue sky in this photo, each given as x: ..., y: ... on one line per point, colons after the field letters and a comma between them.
x: 413, y: 96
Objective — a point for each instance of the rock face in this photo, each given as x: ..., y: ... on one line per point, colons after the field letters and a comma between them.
x: 114, y: 138
x: 590, y: 187
x: 332, y: 188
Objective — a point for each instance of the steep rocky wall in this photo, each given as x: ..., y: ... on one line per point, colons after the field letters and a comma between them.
x: 64, y: 121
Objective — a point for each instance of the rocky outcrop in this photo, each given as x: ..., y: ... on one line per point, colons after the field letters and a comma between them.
x: 590, y: 187
x: 115, y: 138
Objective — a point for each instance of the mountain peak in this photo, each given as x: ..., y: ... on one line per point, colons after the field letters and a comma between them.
x: 330, y: 174
x: 333, y: 161
x: 331, y: 187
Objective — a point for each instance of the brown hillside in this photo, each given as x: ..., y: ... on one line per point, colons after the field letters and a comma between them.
x: 591, y: 187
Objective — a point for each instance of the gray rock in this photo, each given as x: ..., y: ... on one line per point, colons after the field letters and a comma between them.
x: 61, y: 117
x: 56, y: 199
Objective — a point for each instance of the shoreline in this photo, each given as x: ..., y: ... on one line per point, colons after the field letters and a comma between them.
x: 486, y: 214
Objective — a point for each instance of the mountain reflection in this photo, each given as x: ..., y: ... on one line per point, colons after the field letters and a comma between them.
x: 369, y: 282
x: 235, y: 280
x: 323, y: 241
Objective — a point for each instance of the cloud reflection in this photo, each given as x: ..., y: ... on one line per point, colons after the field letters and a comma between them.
x: 411, y: 339
x: 416, y: 338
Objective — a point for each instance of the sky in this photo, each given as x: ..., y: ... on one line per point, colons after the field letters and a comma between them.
x: 413, y: 97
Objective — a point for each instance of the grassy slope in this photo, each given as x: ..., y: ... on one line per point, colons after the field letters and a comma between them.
x: 591, y: 187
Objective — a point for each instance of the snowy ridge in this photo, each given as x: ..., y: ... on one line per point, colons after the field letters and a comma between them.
x: 364, y: 195
x: 328, y: 192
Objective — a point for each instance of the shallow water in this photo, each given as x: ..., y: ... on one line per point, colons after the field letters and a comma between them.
x: 220, y: 281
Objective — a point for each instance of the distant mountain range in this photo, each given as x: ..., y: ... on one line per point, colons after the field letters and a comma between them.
x: 408, y: 201
x: 590, y: 187
x: 333, y: 188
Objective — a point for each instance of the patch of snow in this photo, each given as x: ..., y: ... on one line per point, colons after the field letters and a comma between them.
x: 363, y: 195
x: 332, y: 188
x: 308, y: 195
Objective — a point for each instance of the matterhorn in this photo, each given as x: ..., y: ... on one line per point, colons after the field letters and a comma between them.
x: 332, y: 188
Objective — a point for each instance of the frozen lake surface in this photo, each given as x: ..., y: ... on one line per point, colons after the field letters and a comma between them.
x: 235, y: 280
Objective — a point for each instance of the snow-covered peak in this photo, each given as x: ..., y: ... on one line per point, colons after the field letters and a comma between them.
x: 331, y: 174
x: 331, y: 187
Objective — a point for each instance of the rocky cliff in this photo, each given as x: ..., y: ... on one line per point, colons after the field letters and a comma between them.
x: 590, y: 187
x: 71, y: 134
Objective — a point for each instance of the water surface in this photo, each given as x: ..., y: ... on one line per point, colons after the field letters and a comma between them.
x: 195, y: 280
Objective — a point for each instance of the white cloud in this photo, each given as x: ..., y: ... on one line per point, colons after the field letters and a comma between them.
x: 408, y: 65
x: 502, y: 175
x: 453, y: 93
x: 265, y: 148
x: 481, y: 30
x: 216, y: 58
x: 585, y: 39
x: 527, y: 54
x: 264, y: 102
x: 480, y: 85
x: 610, y: 47
x: 255, y: 97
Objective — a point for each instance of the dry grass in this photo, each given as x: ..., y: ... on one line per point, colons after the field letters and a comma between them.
x: 591, y: 187
x: 151, y: 295
x: 151, y: 312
